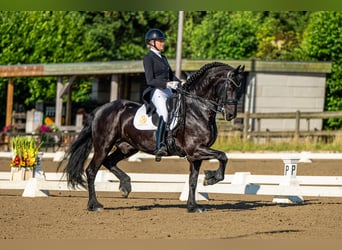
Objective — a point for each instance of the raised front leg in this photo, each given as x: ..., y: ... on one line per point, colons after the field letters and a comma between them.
x: 214, y: 176
x: 204, y: 153
x: 193, y: 177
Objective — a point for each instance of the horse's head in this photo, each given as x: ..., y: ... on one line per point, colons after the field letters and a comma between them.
x: 220, y: 84
x: 228, y: 91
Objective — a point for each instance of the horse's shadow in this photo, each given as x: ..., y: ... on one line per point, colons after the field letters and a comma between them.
x: 233, y: 206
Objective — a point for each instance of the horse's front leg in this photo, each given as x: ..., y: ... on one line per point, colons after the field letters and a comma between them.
x: 214, y: 176
x: 193, y: 178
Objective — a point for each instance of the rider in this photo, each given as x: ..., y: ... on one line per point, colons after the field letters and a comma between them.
x: 161, y: 81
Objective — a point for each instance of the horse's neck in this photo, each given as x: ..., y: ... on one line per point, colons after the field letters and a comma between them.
x: 200, y: 110
x: 201, y: 100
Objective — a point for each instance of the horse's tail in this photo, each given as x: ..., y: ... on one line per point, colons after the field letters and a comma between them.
x: 78, y: 154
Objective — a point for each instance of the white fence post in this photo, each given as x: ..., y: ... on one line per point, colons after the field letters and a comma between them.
x: 32, y: 187
x: 290, y: 180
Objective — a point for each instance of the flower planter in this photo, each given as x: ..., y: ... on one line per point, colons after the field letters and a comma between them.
x: 21, y: 174
x: 25, y: 158
x: 29, y: 173
x: 17, y: 174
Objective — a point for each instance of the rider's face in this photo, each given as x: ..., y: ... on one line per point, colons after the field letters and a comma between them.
x: 160, y: 44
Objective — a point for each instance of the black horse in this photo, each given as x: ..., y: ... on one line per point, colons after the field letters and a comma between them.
x: 110, y: 132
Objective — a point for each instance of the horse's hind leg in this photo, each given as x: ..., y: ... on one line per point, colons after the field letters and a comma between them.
x: 110, y: 163
x: 91, y: 171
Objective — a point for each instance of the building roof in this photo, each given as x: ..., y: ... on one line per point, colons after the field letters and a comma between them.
x: 122, y: 67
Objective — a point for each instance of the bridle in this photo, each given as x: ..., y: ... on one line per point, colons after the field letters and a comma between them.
x: 229, y: 80
x: 217, y: 107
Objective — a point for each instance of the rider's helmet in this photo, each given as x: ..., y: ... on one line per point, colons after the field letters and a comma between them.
x: 154, y: 34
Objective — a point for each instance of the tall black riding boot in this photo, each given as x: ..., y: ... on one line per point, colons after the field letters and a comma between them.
x: 161, y: 149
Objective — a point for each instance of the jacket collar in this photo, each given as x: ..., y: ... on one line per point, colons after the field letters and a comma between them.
x: 156, y: 52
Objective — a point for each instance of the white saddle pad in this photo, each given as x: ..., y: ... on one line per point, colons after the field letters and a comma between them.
x: 142, y: 121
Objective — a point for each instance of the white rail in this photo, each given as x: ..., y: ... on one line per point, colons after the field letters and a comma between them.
x: 238, y: 183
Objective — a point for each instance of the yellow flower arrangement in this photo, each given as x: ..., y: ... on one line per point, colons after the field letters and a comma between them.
x: 25, y: 151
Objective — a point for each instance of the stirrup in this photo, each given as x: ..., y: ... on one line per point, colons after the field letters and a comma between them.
x: 162, y: 151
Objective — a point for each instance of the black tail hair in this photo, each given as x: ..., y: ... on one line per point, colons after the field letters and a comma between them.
x: 78, y: 154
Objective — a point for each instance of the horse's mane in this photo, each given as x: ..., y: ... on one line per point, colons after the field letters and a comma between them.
x: 194, y: 77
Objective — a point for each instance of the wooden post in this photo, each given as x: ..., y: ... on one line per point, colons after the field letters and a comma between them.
x: 259, y: 128
x: 297, y: 129
x: 68, y: 108
x: 245, y: 126
x: 9, y: 106
x: 59, y: 102
x: 66, y: 90
x: 114, y: 88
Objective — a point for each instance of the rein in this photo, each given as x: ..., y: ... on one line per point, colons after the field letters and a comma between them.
x: 217, y: 107
x: 203, y: 100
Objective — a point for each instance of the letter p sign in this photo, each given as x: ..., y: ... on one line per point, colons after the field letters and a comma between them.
x: 290, y: 167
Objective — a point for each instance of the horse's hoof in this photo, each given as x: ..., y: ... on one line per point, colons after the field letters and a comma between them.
x: 210, y: 178
x: 211, y: 181
x: 209, y: 174
x: 124, y: 194
x: 95, y: 208
x: 125, y: 190
x: 197, y: 210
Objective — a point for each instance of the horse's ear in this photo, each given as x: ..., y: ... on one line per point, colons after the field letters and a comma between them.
x: 238, y: 68
x: 242, y: 69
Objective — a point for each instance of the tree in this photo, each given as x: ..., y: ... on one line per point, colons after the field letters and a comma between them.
x: 32, y: 37
x: 280, y: 35
x: 38, y: 37
x: 322, y: 42
x: 121, y: 34
x: 35, y: 37
x: 225, y: 35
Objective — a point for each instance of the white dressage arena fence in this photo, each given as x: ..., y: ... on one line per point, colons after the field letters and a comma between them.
x: 286, y: 188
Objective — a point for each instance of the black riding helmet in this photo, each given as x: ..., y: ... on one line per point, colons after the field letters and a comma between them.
x: 154, y: 34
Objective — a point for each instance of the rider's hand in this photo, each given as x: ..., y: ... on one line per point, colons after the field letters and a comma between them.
x: 172, y: 84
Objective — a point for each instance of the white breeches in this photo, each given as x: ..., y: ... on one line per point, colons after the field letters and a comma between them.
x: 159, y: 98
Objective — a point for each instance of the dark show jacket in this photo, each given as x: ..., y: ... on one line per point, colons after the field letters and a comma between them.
x: 157, y: 73
x: 157, y: 70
